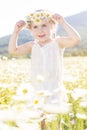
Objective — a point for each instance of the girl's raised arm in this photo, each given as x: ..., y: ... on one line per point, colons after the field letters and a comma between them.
x: 73, y: 37
x: 13, y: 48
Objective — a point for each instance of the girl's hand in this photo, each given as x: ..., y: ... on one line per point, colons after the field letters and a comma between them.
x: 19, y: 25
x: 58, y: 18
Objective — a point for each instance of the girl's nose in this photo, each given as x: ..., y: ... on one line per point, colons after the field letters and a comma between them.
x: 40, y: 29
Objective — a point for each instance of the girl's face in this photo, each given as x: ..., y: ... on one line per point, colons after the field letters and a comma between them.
x: 42, y: 30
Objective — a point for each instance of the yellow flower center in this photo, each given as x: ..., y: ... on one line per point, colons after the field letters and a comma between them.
x: 41, y: 93
x: 37, y: 20
x: 31, y: 14
x: 25, y: 91
x: 38, y: 15
x: 36, y: 101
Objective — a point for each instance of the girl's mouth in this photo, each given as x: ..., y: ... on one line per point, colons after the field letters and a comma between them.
x: 42, y: 35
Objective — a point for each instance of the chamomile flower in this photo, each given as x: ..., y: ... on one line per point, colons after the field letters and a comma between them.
x: 24, y: 92
x: 38, y: 16
x: 38, y: 102
x: 81, y: 116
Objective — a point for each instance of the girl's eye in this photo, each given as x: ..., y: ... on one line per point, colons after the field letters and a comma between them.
x: 35, y: 27
x: 44, y: 25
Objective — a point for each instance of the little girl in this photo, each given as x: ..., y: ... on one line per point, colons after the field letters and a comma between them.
x: 46, y: 52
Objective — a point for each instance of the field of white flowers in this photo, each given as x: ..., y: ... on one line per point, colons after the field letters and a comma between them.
x: 21, y: 107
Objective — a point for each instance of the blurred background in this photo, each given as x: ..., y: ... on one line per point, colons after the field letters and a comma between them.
x: 75, y: 12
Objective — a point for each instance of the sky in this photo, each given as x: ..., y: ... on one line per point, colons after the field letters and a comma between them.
x: 12, y: 11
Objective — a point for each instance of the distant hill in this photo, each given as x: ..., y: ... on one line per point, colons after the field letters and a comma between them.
x: 79, y: 21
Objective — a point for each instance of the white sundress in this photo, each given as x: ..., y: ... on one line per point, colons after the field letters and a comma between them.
x: 47, y: 70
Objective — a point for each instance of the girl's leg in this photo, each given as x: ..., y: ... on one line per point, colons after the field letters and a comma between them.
x: 43, y: 124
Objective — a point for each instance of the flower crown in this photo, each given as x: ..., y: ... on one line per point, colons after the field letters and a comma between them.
x: 37, y: 16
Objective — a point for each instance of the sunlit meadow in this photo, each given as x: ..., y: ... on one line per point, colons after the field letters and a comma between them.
x: 22, y: 108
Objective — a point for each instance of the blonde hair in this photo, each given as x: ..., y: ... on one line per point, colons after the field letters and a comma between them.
x: 37, y: 16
